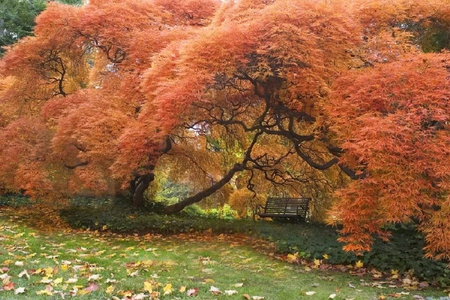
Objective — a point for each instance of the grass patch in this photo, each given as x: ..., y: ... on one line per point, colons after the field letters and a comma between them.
x: 93, y: 265
x: 311, y: 241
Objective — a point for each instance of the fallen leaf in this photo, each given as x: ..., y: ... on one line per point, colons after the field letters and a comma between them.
x: 24, y: 273
x: 8, y: 286
x: 247, y: 296
x: 19, y: 263
x: 72, y: 280
x: 240, y: 284
x: 5, y: 278
x: 395, y: 295
x: 182, y: 289
x: 359, y: 264
x: 110, y: 289
x: 317, y: 262
x: 94, y: 277
x: 257, y: 298
x: 140, y: 296
x: 310, y: 293
x: 148, y: 286
x: 168, y: 289
x: 214, y: 290
x: 332, y: 296
x: 20, y: 290
x: 192, y: 292
x: 48, y: 291
x: 46, y: 280
x: 292, y: 257
x: 230, y: 292
x: 92, y: 287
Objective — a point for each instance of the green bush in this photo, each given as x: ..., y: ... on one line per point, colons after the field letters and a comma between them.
x: 403, y: 252
x: 14, y: 200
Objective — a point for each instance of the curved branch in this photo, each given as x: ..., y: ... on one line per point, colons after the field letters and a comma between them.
x: 177, y: 207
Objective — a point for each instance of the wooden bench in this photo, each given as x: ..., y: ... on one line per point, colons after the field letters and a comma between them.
x: 294, y: 208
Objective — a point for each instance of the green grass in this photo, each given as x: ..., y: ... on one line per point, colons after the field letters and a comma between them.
x: 403, y: 253
x: 53, y: 260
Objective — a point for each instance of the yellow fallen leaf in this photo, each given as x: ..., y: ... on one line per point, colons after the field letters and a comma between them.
x: 148, y: 286
x: 48, y: 272
x: 182, y: 289
x: 325, y: 256
x: 7, y: 262
x: 110, y: 289
x: 359, y: 264
x: 58, y: 281
x: 292, y: 257
x: 44, y: 292
x: 317, y: 262
x: 168, y: 289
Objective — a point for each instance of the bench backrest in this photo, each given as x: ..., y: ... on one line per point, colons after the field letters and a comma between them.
x: 287, y: 206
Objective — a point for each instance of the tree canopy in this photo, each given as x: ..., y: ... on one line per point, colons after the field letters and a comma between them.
x: 343, y: 100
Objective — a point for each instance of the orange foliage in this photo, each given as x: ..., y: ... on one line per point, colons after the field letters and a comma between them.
x: 288, y: 94
x: 392, y: 120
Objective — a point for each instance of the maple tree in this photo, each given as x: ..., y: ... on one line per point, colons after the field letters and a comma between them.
x: 271, y: 96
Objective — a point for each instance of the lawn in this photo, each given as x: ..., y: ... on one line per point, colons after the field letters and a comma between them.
x: 64, y: 263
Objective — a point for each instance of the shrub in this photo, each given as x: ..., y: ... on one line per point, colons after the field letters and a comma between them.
x: 14, y: 200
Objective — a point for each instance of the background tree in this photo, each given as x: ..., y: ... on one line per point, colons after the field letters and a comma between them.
x: 17, y: 19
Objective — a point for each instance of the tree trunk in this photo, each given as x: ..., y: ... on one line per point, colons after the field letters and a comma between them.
x: 141, y: 185
x: 177, y: 207
x: 142, y: 182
